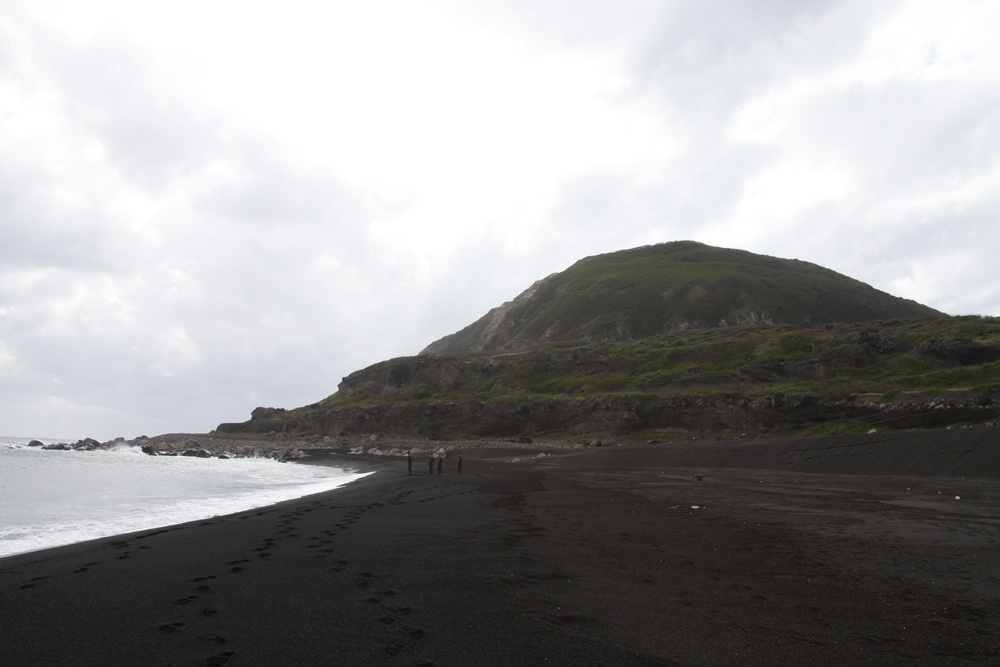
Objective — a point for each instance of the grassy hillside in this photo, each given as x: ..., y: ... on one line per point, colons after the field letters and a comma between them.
x: 725, y: 382
x: 649, y: 291
x: 882, y: 360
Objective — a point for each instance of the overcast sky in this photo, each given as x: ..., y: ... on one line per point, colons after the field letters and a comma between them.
x: 210, y: 206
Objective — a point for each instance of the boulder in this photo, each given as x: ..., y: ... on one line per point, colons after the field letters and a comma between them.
x: 86, y: 445
x: 197, y: 453
x: 807, y: 401
x: 878, y: 340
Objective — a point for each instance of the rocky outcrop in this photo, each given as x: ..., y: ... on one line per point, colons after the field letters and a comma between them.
x: 84, y: 445
x: 878, y: 340
x: 197, y: 453
x: 210, y: 445
x: 705, y: 417
x: 959, y: 351
x: 266, y: 414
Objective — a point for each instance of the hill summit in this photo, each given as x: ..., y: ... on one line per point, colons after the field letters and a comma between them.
x: 668, y: 287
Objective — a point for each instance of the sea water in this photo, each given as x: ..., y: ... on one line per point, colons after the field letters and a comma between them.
x: 52, y: 498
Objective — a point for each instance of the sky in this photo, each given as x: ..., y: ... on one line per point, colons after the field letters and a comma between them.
x: 207, y: 207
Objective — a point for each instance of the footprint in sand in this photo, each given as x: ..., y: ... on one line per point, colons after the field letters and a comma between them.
x: 219, y: 658
x: 237, y: 565
x: 394, y: 647
x: 32, y: 583
x: 408, y: 635
x: 171, y: 628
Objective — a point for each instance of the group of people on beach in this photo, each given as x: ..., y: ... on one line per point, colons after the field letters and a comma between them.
x: 436, y: 456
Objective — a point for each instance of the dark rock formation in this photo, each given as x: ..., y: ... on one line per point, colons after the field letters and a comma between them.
x: 960, y: 351
x: 87, y: 445
x: 263, y: 414
x: 878, y: 341
x: 197, y: 453
x: 619, y: 417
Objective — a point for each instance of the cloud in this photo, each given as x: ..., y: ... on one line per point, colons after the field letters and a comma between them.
x: 700, y: 62
x: 205, y: 208
x: 140, y: 121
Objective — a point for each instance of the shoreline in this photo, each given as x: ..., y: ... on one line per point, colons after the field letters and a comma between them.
x: 971, y: 453
x: 950, y: 452
x: 42, y: 514
x: 594, y: 557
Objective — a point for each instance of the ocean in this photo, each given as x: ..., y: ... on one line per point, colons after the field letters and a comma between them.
x: 53, y: 498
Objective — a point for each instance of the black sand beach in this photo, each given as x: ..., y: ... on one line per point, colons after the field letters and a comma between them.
x: 611, y: 556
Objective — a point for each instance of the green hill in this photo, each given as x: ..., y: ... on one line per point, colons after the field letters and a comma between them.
x: 657, y: 289
x: 676, y: 341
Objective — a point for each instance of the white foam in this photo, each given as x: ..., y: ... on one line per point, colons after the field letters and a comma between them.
x: 53, y: 498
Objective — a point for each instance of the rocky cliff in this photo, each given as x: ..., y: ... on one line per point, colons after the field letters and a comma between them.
x: 735, y: 382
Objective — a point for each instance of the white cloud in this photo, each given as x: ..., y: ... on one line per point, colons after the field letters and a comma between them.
x: 207, y: 206
x: 6, y: 358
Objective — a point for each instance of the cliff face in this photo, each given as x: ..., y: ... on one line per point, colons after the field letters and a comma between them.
x: 654, y: 290
x: 686, y: 386
x: 676, y: 418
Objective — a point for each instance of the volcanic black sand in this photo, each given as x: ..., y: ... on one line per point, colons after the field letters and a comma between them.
x: 611, y: 556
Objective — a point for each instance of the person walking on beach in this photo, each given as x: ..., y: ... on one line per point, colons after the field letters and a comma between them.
x: 409, y: 462
x: 460, y: 462
x: 440, y: 461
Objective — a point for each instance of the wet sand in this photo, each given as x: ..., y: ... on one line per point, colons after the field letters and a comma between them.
x: 614, y: 556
